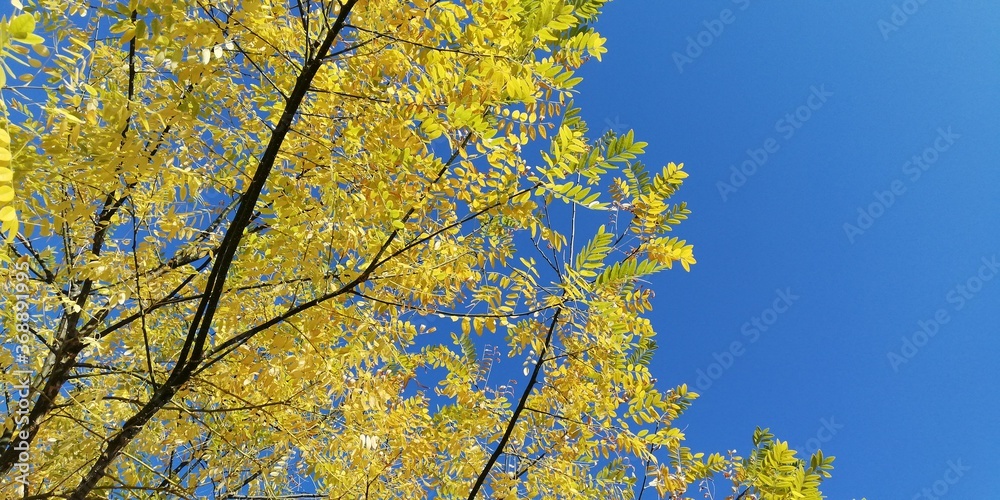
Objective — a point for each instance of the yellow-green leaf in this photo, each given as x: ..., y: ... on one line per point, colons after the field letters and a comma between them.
x: 21, y: 26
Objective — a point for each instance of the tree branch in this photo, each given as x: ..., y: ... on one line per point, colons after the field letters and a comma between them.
x: 517, y: 410
x: 192, y: 353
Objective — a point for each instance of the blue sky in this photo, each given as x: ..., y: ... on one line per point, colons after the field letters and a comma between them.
x: 868, y: 88
x: 790, y: 320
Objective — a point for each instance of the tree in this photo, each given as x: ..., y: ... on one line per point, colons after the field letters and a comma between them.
x: 279, y: 248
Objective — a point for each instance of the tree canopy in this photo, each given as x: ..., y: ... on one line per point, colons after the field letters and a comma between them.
x: 355, y: 249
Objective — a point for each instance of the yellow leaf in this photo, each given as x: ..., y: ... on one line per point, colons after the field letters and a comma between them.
x: 127, y: 36
x: 31, y: 39
x: 21, y: 26
x: 10, y: 228
x: 397, y: 167
x: 69, y: 116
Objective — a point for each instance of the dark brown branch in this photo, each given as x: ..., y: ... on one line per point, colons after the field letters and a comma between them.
x: 453, y: 313
x: 517, y: 410
x: 645, y: 469
x: 430, y: 47
x: 50, y: 278
x: 191, y: 354
x: 70, y: 344
x: 228, y: 346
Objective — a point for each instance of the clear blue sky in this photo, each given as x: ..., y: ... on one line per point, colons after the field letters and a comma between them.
x: 927, y: 84
x: 840, y: 96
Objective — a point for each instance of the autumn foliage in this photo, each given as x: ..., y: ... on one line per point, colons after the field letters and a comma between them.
x: 302, y: 247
